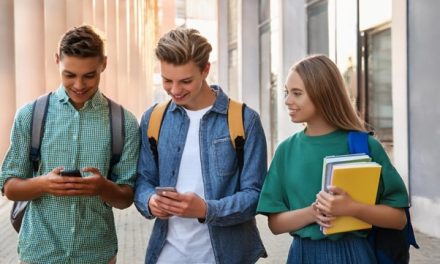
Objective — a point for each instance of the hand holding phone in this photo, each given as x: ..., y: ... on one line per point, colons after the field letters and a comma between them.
x: 70, y: 173
x: 160, y: 190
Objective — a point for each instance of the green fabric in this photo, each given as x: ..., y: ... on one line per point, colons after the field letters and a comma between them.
x: 295, y: 174
x: 70, y: 229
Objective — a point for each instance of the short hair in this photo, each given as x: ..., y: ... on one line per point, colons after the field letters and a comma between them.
x: 182, y: 45
x: 325, y: 86
x: 83, y: 41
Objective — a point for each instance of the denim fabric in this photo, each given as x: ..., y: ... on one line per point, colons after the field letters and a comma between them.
x: 350, y: 249
x: 231, y: 198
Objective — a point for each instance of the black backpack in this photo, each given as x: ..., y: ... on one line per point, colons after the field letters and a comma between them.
x: 390, y: 246
x: 39, y: 112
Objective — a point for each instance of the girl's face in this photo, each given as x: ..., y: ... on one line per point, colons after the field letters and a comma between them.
x: 300, y: 107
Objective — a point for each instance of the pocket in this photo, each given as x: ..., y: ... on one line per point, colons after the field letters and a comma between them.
x: 225, y: 157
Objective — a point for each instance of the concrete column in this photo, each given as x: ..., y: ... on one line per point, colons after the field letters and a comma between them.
x: 143, y: 88
x: 74, y: 12
x: 111, y: 74
x: 134, y: 57
x: 88, y: 11
x: 7, y: 74
x: 29, y: 50
x: 99, y: 21
x: 55, y: 27
x: 248, y: 50
x: 123, y: 54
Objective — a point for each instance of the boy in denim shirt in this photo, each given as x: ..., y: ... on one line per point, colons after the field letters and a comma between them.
x: 211, y: 216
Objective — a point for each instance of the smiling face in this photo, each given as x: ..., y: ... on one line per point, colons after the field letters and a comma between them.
x: 80, y: 77
x: 300, y: 106
x: 186, y: 84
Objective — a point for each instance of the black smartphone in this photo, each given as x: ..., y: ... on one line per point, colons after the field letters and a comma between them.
x: 71, y: 173
x: 160, y: 190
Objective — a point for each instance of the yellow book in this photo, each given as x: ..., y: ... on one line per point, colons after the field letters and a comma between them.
x: 361, y: 181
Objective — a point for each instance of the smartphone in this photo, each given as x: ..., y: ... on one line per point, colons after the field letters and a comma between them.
x: 71, y: 173
x: 160, y: 190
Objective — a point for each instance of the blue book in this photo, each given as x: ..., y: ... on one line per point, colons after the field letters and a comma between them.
x: 330, y: 161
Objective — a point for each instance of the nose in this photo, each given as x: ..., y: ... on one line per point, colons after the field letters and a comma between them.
x: 175, y: 88
x: 286, y: 99
x: 78, y: 83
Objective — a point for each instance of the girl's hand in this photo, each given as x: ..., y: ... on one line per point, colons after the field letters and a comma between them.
x: 320, y: 218
x: 336, y: 202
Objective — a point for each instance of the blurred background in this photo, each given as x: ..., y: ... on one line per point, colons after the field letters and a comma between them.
x: 387, y: 51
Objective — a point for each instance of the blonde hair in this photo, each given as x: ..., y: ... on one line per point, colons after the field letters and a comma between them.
x: 324, y: 85
x: 182, y: 45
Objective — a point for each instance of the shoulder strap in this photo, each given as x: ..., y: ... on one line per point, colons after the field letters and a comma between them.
x: 39, y: 112
x: 154, y: 127
x: 236, y: 129
x: 117, y: 119
x: 358, y: 142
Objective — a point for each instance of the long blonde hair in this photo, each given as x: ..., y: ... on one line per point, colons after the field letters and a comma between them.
x: 325, y: 87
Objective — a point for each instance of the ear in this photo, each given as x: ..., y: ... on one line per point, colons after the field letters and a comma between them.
x: 206, y: 69
x: 104, y: 63
x: 57, y: 58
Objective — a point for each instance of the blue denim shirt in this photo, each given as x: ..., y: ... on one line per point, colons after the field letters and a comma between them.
x: 231, y: 198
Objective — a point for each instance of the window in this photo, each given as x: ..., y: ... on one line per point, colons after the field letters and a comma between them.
x: 378, y: 107
x: 317, y: 27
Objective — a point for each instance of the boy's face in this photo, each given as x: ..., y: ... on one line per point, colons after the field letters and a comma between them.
x: 186, y: 85
x: 80, y: 77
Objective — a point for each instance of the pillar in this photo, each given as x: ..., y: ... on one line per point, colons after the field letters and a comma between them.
x: 29, y: 50
x: 7, y: 73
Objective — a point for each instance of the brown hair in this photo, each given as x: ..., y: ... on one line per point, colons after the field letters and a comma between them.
x: 325, y: 87
x: 83, y: 42
x: 181, y: 45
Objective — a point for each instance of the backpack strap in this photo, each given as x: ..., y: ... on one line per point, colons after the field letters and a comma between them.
x: 358, y: 142
x: 236, y: 129
x: 117, y: 120
x: 39, y: 112
x: 154, y: 126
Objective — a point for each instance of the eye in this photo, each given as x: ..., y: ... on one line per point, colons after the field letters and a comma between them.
x: 69, y: 76
x: 90, y: 76
x: 186, y: 81
x: 285, y: 93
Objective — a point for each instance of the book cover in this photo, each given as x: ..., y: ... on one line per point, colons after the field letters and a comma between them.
x: 361, y: 181
x: 329, y: 161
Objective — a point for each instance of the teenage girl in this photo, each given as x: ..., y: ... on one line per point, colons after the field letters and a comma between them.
x: 291, y: 196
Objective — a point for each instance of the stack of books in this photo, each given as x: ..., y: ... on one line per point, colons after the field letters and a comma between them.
x: 358, y: 176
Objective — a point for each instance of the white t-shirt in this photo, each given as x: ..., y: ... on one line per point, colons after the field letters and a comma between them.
x: 188, y: 241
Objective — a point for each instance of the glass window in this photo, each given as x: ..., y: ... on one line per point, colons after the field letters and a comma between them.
x: 317, y: 28
x: 264, y: 11
x: 379, y: 84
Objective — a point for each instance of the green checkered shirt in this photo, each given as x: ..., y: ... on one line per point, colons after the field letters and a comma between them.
x: 70, y: 229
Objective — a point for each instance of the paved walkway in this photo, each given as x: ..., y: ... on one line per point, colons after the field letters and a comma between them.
x: 133, y: 232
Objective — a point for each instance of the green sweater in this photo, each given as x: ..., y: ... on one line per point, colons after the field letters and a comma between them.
x: 294, y: 177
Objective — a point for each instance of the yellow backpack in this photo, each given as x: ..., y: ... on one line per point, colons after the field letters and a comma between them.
x: 235, y: 124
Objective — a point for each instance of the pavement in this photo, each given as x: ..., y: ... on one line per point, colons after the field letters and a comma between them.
x: 133, y: 233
